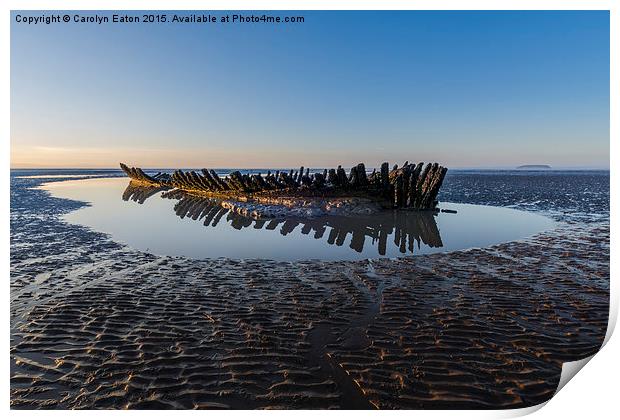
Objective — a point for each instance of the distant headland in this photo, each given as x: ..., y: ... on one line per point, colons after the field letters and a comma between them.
x: 534, y: 167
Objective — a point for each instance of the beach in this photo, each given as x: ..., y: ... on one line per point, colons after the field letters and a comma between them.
x: 96, y: 324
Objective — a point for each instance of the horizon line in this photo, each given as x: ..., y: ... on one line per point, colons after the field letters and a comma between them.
x: 551, y: 168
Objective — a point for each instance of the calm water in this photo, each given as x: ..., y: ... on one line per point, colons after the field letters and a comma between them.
x: 198, y: 228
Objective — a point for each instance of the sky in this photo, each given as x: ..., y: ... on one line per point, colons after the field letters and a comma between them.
x: 467, y: 89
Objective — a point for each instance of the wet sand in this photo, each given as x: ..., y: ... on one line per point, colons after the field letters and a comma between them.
x: 98, y: 325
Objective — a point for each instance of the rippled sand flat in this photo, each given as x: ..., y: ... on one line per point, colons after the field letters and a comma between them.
x: 98, y: 325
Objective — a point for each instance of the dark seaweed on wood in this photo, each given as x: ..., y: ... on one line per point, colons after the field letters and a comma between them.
x: 414, y: 186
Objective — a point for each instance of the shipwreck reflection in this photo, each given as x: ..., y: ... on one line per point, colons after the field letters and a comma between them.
x: 406, y: 229
x: 140, y: 193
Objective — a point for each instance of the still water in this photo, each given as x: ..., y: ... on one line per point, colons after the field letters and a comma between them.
x: 199, y: 228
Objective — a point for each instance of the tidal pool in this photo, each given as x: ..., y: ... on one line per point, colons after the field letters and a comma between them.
x: 199, y: 228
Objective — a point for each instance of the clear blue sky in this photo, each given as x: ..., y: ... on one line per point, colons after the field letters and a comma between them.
x: 467, y: 89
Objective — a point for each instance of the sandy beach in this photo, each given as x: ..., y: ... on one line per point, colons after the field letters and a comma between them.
x: 98, y: 325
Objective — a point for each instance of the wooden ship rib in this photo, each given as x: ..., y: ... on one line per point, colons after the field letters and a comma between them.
x: 412, y: 186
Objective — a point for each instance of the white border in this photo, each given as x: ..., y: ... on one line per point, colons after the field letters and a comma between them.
x: 592, y: 394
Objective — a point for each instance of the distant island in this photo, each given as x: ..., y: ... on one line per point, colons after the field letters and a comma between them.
x: 534, y: 167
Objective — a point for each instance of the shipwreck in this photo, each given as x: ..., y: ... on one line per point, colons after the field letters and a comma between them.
x: 411, y: 186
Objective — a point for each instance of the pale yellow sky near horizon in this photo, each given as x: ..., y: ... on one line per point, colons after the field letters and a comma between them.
x: 40, y: 157
x: 90, y: 157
